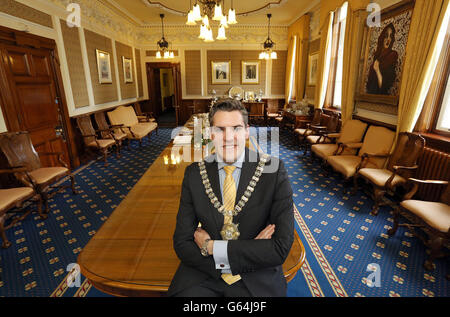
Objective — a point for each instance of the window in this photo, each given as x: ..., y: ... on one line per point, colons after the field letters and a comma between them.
x: 333, y: 97
x: 435, y: 115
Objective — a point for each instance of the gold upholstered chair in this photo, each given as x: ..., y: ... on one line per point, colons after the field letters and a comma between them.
x: 106, y: 129
x: 101, y: 140
x: 19, y: 152
x: 351, y: 132
x: 131, y: 126
x: 432, y: 216
x: 300, y: 134
x: 401, y: 166
x: 373, y: 152
x: 319, y: 134
x: 11, y: 198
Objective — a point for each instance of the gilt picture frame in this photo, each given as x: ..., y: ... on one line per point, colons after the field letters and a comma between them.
x: 127, y: 69
x: 220, y: 72
x: 383, y: 56
x: 103, y: 67
x: 250, y: 72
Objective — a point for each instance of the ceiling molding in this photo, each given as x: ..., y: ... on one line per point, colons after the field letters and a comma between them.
x: 305, y: 11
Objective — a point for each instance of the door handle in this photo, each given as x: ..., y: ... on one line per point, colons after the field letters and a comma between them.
x: 59, y: 131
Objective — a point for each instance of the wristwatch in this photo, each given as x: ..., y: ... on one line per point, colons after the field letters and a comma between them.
x: 204, y: 249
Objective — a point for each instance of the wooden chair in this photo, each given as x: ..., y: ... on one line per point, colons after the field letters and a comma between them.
x: 19, y: 152
x: 319, y: 134
x: 106, y: 129
x: 434, y: 217
x: 274, y: 114
x: 11, y: 198
x: 300, y: 134
x: 256, y: 112
x: 131, y: 126
x: 143, y: 116
x: 373, y: 152
x: 351, y: 132
x: 401, y: 166
x: 90, y: 136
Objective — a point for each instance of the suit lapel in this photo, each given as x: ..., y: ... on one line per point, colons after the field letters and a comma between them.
x: 247, y: 171
x: 213, y: 174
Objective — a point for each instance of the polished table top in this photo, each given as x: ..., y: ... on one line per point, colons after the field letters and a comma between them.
x: 132, y: 253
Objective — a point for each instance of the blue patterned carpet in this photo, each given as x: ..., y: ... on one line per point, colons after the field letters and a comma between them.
x: 340, y: 237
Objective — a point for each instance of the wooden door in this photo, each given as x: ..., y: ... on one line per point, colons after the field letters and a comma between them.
x: 30, y: 96
x: 176, y: 74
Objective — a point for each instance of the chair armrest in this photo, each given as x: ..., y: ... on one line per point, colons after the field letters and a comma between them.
x: 369, y: 155
x: 59, y: 154
x: 116, y: 126
x: 332, y: 135
x: 416, y: 182
x: 411, y: 168
x: 14, y: 169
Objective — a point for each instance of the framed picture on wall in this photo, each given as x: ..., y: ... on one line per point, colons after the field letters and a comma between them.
x: 220, y: 72
x: 384, y: 55
x: 127, y: 69
x: 250, y: 72
x: 104, y: 67
x: 313, y: 63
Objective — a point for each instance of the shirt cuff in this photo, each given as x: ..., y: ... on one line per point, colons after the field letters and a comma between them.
x: 220, y: 255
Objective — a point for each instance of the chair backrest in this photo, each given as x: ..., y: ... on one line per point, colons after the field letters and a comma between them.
x: 123, y: 115
x: 272, y: 106
x: 378, y: 140
x: 333, y: 123
x: 256, y: 109
x: 85, y: 125
x: 445, y: 197
x: 407, y: 151
x: 100, y: 119
x: 19, y: 150
x: 352, y: 131
x: 137, y: 108
x: 317, y: 117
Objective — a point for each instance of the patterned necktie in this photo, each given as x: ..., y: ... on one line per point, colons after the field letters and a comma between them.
x: 229, y: 197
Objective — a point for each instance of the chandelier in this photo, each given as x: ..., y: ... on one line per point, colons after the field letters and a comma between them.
x: 268, y: 45
x: 163, y: 46
x: 211, y: 9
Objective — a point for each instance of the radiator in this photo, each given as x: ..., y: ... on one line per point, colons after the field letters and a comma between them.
x: 435, y: 165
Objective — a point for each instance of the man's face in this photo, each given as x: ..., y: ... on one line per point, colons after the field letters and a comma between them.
x: 229, y: 135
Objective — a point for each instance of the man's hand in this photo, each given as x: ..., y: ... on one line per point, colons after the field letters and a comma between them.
x: 200, y: 236
x: 266, y: 233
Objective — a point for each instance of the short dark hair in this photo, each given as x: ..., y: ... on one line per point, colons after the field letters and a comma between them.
x: 228, y: 105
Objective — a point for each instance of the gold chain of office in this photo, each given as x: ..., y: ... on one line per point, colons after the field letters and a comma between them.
x: 230, y: 230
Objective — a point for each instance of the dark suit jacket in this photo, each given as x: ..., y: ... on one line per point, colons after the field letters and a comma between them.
x: 257, y: 261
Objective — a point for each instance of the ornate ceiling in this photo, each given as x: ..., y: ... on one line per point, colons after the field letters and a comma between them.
x: 146, y: 12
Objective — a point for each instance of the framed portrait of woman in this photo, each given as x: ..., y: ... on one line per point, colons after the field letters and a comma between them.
x: 384, y: 55
x: 220, y: 72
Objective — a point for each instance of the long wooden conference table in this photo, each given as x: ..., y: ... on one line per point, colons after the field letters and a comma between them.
x: 132, y: 253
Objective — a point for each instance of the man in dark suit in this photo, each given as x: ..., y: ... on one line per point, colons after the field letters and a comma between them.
x: 236, y: 251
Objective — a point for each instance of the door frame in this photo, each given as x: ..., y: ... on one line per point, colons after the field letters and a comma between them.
x: 176, y: 71
x: 8, y: 99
